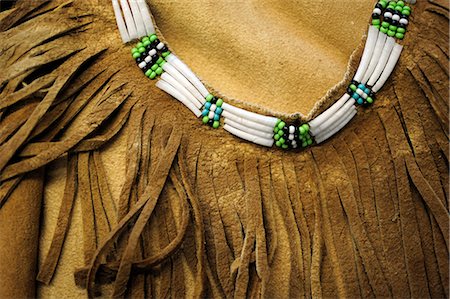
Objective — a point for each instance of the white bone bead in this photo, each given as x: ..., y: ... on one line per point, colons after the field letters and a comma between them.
x: 142, y: 64
x: 291, y: 137
x: 211, y: 114
x: 291, y: 129
x: 120, y: 22
x: 396, y: 17
x: 248, y: 137
x: 360, y: 91
x: 186, y: 71
x: 247, y: 129
x: 269, y: 121
x: 377, y: 11
x: 152, y: 52
x: 388, y: 14
x: 393, y: 58
x: 372, y: 37
x: 146, y: 17
x: 148, y: 59
x: 213, y: 107
x: 163, y: 85
x: 160, y: 46
x: 403, y: 21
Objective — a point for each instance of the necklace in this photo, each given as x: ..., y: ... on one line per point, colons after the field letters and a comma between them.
x: 382, y: 50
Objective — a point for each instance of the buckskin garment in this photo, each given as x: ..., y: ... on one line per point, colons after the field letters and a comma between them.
x: 110, y: 185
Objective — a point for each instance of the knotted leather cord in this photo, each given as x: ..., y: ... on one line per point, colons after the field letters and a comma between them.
x: 339, y: 218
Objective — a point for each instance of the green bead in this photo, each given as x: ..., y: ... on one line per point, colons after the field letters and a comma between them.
x: 275, y: 130
x: 148, y: 72
x: 383, y: 3
x: 353, y: 87
x: 159, y: 71
x: 400, y: 3
x: 144, y: 39
x: 306, y: 126
x: 282, y: 140
x: 146, y: 43
x: 216, y: 124
x: 152, y: 75
x: 134, y: 50
x: 160, y: 59
x: 384, y: 30
x: 165, y: 54
x: 153, y: 37
x: 209, y: 97
x: 390, y: 33
x: 393, y: 27
x: 309, y: 142
x: 139, y: 45
x: 205, y: 119
x: 136, y: 55
x: 278, y: 121
x: 141, y: 50
x: 219, y: 103
x: 399, y: 35
x: 369, y: 100
x: 398, y: 8
x: 406, y: 12
x: 308, y: 137
x: 385, y: 24
x: 276, y: 137
x: 406, y: 7
x: 284, y: 146
x: 154, y: 67
x: 162, y: 63
x: 304, y: 144
x: 281, y: 124
x: 301, y: 130
x: 401, y: 30
x: 278, y: 143
x: 376, y: 22
x: 376, y: 26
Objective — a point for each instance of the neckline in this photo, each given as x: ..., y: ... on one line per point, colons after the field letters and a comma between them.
x: 325, y: 101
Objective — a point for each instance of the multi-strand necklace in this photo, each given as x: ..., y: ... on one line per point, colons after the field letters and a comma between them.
x: 382, y: 50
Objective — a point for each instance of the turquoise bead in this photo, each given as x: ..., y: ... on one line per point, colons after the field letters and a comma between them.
x: 208, y: 105
x: 367, y: 91
x: 219, y: 110
x: 360, y: 101
x: 205, y: 112
x: 355, y: 96
x: 216, y: 116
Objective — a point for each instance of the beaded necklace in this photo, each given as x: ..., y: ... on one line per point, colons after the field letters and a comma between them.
x: 382, y: 50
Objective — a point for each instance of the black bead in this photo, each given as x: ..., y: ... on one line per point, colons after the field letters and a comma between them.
x: 390, y: 10
x: 354, y: 82
x: 375, y: 16
x: 349, y: 91
x: 378, y: 5
x: 213, y: 100
x: 386, y: 19
x: 154, y: 58
x: 210, y: 122
x: 405, y: 16
x: 394, y: 22
x: 139, y: 60
x: 164, y: 49
x: 400, y: 25
x: 154, y: 43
